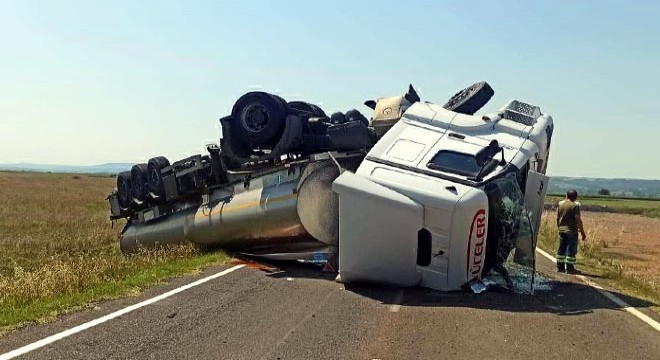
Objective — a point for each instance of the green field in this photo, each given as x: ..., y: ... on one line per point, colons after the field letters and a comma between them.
x: 59, y: 250
x: 634, y: 206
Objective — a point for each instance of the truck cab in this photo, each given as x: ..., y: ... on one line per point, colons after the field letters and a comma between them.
x: 444, y: 198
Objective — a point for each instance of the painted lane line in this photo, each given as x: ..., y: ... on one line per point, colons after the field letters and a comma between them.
x: 546, y: 255
x: 398, y: 298
x: 59, y: 336
x: 613, y: 298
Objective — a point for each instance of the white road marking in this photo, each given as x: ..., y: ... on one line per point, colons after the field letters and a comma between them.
x: 615, y: 299
x: 59, y: 336
x: 398, y: 298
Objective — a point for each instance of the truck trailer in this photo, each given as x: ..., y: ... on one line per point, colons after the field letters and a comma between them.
x: 418, y: 195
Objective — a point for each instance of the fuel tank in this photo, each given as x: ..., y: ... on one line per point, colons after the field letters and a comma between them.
x: 290, y: 209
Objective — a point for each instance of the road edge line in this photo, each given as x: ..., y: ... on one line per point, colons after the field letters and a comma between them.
x: 84, y: 326
x: 613, y: 298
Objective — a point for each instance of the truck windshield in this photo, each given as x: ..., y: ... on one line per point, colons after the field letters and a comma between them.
x: 510, y: 241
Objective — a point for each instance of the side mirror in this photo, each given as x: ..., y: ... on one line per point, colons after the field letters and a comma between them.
x: 487, y: 153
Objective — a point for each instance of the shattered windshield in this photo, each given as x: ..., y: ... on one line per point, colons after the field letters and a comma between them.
x: 510, y: 241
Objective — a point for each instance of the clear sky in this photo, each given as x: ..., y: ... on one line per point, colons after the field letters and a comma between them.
x: 89, y: 82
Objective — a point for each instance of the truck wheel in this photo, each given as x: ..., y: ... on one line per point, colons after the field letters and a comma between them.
x: 124, y: 191
x: 354, y: 115
x: 469, y: 100
x: 260, y: 118
x: 154, y: 175
x: 318, y: 111
x: 306, y: 107
x: 139, y: 188
x: 338, y: 118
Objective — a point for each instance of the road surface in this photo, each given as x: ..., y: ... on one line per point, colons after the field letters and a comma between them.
x: 303, y: 314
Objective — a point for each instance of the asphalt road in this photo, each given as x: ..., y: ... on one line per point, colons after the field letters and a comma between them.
x: 302, y: 314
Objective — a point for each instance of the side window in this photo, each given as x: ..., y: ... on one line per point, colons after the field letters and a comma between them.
x: 455, y: 162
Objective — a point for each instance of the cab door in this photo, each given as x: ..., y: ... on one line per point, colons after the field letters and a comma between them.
x: 535, y: 190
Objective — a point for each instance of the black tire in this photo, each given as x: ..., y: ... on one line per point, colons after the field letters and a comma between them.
x: 318, y: 111
x: 139, y: 187
x: 306, y: 107
x: 354, y: 115
x: 124, y: 190
x: 469, y: 100
x: 338, y: 118
x: 154, y: 175
x: 259, y: 118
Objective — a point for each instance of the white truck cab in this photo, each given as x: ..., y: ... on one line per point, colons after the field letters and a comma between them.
x: 443, y: 198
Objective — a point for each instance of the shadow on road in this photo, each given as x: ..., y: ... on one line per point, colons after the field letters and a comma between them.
x: 566, y: 296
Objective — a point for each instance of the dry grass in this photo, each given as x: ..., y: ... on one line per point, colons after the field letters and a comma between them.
x: 623, y: 249
x: 58, y: 249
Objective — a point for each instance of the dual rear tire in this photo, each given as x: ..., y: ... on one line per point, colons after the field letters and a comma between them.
x: 155, y: 176
x: 139, y: 187
x: 124, y: 189
x: 259, y: 118
x: 134, y: 187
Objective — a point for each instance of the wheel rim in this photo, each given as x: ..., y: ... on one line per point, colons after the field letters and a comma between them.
x: 255, y: 118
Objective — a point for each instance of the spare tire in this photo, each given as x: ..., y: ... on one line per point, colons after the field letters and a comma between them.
x: 469, y: 100
x: 124, y: 190
x: 154, y: 175
x: 139, y: 187
x: 259, y: 117
x: 306, y: 107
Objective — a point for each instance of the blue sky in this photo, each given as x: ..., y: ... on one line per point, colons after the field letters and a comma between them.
x: 88, y: 82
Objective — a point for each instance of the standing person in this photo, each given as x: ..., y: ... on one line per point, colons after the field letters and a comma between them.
x: 569, y: 223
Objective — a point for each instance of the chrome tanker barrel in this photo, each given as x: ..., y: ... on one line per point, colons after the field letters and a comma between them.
x: 167, y: 231
x: 286, y: 209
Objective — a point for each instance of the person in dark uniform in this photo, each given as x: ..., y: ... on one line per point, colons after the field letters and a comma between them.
x: 569, y: 223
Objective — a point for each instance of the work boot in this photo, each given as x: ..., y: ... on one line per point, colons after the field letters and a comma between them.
x: 570, y: 269
x: 561, y: 267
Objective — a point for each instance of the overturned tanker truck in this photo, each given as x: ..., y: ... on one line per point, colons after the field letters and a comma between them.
x: 420, y: 194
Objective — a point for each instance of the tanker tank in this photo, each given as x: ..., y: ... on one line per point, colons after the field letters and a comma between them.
x: 291, y: 208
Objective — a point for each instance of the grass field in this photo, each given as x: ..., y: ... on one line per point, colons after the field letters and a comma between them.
x: 622, y: 250
x: 644, y: 207
x: 58, y: 250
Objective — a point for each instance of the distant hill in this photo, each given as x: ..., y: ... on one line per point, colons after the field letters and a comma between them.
x: 109, y: 168
x: 617, y: 187
x: 558, y: 184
